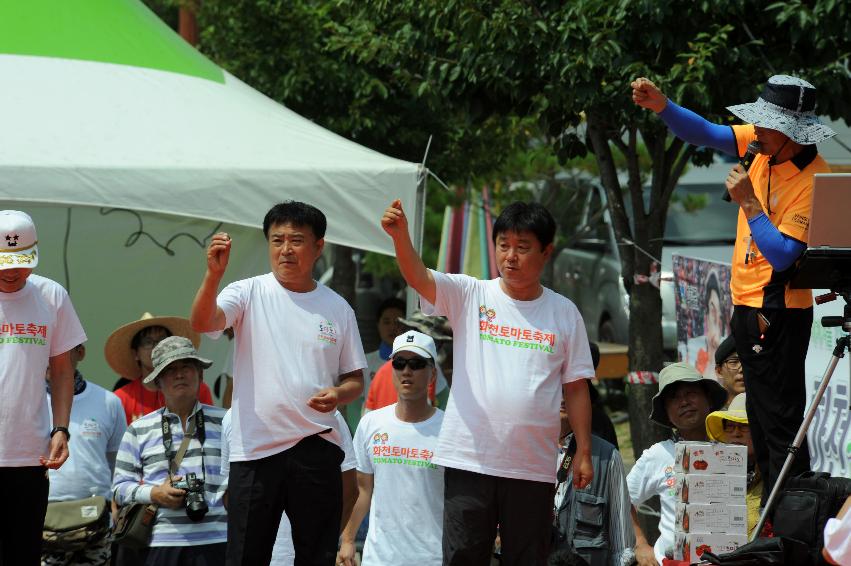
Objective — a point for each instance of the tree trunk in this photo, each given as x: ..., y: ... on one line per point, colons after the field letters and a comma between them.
x: 343, y: 281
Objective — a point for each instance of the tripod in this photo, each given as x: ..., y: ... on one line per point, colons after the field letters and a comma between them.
x: 842, y: 344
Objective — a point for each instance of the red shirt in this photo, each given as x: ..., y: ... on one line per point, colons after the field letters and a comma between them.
x: 382, y: 392
x: 138, y: 401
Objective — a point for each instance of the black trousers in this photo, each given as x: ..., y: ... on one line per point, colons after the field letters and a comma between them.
x: 201, y: 555
x: 474, y: 504
x: 303, y: 481
x: 23, y: 492
x: 773, y: 365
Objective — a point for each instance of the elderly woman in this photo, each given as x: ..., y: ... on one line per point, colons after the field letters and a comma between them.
x: 179, y: 443
x: 731, y: 427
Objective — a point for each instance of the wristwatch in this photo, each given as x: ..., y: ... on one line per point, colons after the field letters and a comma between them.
x: 61, y: 429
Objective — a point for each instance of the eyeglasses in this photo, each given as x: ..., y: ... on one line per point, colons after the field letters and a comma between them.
x: 741, y: 428
x: 179, y: 368
x: 414, y: 363
x: 733, y: 363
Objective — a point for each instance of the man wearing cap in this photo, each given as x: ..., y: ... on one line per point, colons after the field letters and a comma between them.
x: 382, y: 391
x: 399, y: 485
x: 730, y: 426
x: 297, y: 357
x: 147, y: 463
x: 684, y: 400
x: 38, y: 330
x: 519, y: 348
x: 728, y: 368
x: 771, y: 321
x: 128, y: 353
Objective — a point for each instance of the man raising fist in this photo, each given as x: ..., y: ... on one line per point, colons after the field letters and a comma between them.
x: 297, y: 356
x: 518, y: 347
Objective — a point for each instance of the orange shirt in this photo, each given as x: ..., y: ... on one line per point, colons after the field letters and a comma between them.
x: 756, y: 283
x: 138, y: 401
x: 382, y: 392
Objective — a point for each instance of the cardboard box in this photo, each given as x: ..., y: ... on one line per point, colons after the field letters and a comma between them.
x: 690, y: 546
x: 704, y: 488
x: 710, y: 458
x: 711, y: 518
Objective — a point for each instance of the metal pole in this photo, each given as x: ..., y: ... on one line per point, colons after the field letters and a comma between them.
x: 838, y: 353
x: 417, y: 236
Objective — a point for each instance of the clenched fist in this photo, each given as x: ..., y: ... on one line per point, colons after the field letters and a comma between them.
x: 218, y: 253
x: 647, y: 95
x: 394, y: 220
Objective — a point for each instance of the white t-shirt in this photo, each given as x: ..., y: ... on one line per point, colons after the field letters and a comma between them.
x: 653, y: 474
x: 510, y: 361
x: 837, y: 539
x: 287, y: 347
x: 36, y: 323
x: 406, y: 514
x: 97, y: 426
x: 283, y: 553
x: 374, y: 361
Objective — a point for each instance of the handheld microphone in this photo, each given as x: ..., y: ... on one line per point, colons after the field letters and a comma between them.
x: 747, y: 161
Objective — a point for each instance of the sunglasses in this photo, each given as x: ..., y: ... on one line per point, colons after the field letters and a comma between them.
x: 413, y: 363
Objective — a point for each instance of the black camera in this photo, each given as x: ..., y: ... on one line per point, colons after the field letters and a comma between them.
x: 196, y: 505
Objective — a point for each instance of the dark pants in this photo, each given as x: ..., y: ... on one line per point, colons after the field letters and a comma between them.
x: 201, y: 555
x: 303, y: 481
x: 474, y: 504
x: 773, y: 365
x: 23, y: 492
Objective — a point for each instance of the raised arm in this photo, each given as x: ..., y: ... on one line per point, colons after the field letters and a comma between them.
x: 206, y: 316
x: 685, y: 124
x: 395, y: 223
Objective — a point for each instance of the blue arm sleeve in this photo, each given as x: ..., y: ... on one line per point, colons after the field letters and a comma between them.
x: 696, y: 130
x: 780, y: 250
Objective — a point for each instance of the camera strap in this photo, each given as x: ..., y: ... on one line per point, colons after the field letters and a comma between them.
x: 168, y: 441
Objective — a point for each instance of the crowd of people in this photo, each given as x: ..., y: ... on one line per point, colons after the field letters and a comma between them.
x: 516, y: 458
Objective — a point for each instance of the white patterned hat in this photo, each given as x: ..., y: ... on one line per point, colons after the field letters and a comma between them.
x: 18, y: 240
x: 787, y: 104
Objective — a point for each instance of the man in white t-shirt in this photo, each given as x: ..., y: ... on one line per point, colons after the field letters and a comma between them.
x: 518, y: 347
x: 38, y: 328
x: 297, y: 357
x: 97, y: 424
x: 283, y: 554
x: 399, y: 485
x: 684, y: 400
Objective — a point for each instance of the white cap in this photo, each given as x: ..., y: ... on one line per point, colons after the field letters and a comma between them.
x: 416, y: 342
x: 18, y: 241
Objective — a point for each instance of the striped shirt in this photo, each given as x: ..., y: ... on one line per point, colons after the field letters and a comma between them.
x: 142, y: 464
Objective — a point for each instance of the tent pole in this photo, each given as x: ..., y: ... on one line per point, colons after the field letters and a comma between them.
x: 419, y: 227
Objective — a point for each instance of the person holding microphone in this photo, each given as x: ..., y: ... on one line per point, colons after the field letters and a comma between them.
x: 771, y: 321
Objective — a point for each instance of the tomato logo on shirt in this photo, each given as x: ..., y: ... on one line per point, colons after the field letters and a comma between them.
x: 380, y: 438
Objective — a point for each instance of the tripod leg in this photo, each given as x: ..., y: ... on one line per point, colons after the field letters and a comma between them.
x: 838, y: 353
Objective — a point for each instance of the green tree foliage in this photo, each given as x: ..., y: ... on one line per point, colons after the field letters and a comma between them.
x: 495, y: 81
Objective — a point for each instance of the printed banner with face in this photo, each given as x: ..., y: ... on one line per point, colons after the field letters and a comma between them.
x: 704, y: 307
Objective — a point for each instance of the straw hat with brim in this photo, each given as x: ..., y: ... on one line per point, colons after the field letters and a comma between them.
x: 170, y: 350
x: 735, y: 412
x: 120, y: 356
x: 684, y: 373
x: 786, y: 104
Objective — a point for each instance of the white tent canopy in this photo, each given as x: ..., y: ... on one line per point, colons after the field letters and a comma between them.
x: 104, y: 108
x: 170, y: 133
